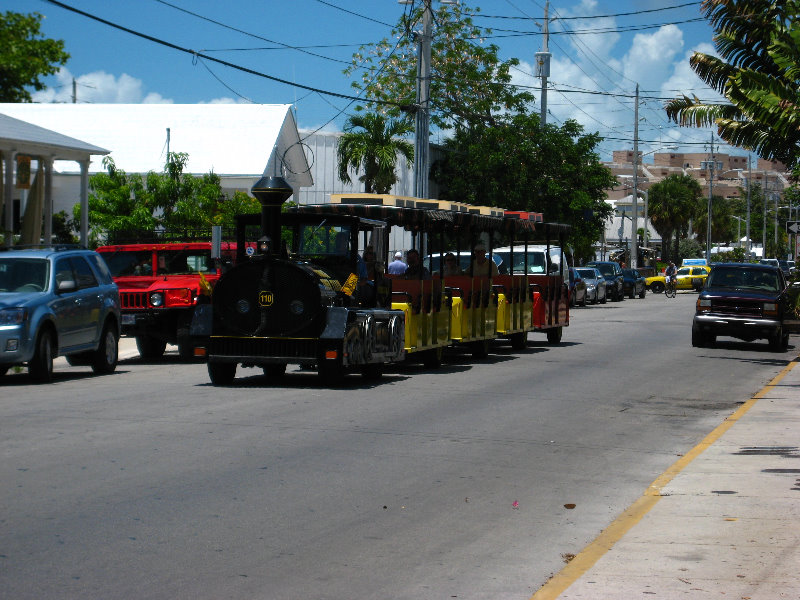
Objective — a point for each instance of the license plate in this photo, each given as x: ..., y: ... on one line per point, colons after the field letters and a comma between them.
x: 129, y: 319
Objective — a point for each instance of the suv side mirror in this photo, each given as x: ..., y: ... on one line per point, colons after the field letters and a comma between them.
x: 67, y: 285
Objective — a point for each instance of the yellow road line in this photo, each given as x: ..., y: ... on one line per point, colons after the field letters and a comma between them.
x: 636, y: 511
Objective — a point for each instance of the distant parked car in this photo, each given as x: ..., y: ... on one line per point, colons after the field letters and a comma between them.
x: 787, y: 266
x: 577, y: 288
x: 595, y: 284
x: 633, y: 283
x: 57, y: 302
x: 613, y: 276
x: 745, y: 301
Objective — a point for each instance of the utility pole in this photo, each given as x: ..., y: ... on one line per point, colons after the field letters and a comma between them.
x: 422, y: 123
x: 543, y: 64
x: 764, y: 220
x: 747, y: 226
x: 635, y: 216
x: 711, y: 166
x: 74, y: 91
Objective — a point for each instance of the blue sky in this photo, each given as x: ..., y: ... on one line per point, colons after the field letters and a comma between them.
x: 310, y: 42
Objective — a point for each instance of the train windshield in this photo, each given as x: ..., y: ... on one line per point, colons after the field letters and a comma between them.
x: 322, y: 239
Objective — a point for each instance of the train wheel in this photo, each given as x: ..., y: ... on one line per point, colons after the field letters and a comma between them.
x: 372, y: 372
x: 554, y: 335
x: 480, y: 349
x: 277, y: 370
x: 330, y: 371
x: 432, y: 359
x: 221, y: 373
x: 519, y: 341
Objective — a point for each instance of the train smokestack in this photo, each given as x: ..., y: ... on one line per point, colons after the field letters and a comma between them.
x: 271, y: 192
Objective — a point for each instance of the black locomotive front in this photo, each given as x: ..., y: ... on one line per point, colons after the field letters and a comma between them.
x: 274, y: 309
x: 270, y: 308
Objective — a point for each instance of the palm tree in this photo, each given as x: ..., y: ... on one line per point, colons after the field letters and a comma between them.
x: 758, y: 39
x: 673, y: 203
x: 372, y: 143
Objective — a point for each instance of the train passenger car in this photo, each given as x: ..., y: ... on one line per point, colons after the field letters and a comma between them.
x: 481, y: 309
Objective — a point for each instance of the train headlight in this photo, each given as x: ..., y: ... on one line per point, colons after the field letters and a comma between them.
x: 243, y: 306
x: 297, y: 307
x: 156, y: 298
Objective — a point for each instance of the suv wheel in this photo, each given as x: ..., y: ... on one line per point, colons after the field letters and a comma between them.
x: 40, y: 368
x: 106, y: 356
x: 149, y: 347
x: 780, y: 341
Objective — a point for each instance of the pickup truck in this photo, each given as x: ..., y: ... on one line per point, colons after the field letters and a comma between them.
x: 744, y: 301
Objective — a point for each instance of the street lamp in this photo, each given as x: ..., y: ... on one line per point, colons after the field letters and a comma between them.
x: 739, y: 229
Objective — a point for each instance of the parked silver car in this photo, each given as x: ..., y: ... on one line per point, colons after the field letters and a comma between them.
x: 57, y: 302
x: 595, y: 284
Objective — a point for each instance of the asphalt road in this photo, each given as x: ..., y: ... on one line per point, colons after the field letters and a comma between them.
x: 475, y: 481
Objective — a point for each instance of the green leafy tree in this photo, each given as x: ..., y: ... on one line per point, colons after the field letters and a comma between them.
x: 518, y: 166
x: 722, y: 222
x: 372, y: 143
x: 758, y: 72
x: 674, y: 203
x: 26, y: 56
x: 122, y: 204
x: 469, y: 83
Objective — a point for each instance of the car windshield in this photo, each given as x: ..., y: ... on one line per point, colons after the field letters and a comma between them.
x: 180, y: 261
x: 606, y: 270
x: 129, y: 262
x: 738, y: 278
x: 587, y: 273
x: 23, y: 274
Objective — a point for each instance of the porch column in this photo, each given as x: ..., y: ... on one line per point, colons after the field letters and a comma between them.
x: 48, y: 198
x: 84, y: 202
x: 8, y: 192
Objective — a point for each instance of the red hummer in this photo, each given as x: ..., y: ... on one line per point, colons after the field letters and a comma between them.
x: 159, y: 286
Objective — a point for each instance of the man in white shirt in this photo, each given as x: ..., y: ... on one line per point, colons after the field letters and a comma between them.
x: 397, y: 266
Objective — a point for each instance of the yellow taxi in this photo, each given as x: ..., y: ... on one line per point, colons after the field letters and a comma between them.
x: 692, y: 278
x: 689, y: 278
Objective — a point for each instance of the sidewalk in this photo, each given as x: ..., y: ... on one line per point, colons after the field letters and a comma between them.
x: 723, y: 522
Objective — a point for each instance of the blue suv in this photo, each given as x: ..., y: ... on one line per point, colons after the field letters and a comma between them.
x: 56, y: 302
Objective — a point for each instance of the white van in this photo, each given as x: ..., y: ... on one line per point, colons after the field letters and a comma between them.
x: 539, y: 263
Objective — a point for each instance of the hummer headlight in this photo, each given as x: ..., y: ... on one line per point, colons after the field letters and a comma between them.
x: 157, y: 299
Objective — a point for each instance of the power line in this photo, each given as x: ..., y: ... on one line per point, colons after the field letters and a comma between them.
x: 247, y: 33
x: 197, y: 54
x: 625, y: 14
x: 350, y: 12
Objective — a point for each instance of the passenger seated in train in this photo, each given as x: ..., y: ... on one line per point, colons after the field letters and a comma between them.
x: 450, y: 267
x: 482, y: 266
x: 415, y: 266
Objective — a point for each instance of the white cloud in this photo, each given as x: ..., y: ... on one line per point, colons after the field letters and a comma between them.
x: 649, y: 60
x: 98, y: 87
